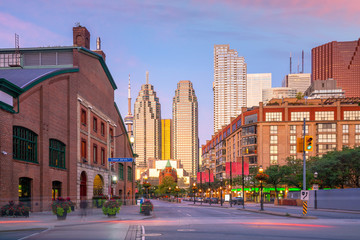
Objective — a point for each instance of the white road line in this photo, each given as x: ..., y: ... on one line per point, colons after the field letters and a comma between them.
x: 34, y: 234
x: 188, y: 215
x: 143, y: 232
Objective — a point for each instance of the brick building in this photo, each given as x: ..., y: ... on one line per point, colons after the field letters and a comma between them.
x: 339, y: 61
x: 266, y: 135
x: 59, y: 125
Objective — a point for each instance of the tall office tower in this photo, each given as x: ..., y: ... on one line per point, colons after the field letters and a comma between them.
x: 147, y: 126
x: 229, y: 85
x: 256, y: 82
x: 185, y: 127
x: 166, y: 139
x: 339, y: 61
x: 298, y: 81
x: 129, y: 119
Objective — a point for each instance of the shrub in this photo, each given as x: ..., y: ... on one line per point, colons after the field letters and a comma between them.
x: 15, y: 210
x: 111, y: 207
x: 60, y: 205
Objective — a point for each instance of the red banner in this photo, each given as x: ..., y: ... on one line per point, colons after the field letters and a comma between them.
x: 236, y: 169
x: 203, y: 177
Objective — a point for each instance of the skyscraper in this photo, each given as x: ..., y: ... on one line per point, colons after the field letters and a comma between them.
x: 185, y: 127
x: 229, y: 85
x: 147, y: 126
x: 339, y: 61
x: 298, y: 81
x: 165, y: 139
x: 256, y: 82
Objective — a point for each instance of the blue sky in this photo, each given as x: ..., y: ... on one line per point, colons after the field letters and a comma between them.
x: 174, y: 40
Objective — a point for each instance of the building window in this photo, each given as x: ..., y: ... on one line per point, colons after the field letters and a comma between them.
x: 273, y: 149
x: 111, y: 133
x: 299, y: 116
x: 103, y: 156
x: 326, y: 127
x: 274, y: 160
x: 357, y: 138
x: 293, y: 149
x: 273, y: 139
x: 56, y: 189
x: 324, y: 148
x: 24, y: 144
x: 351, y: 115
x: 56, y: 154
x: 293, y: 139
x: 292, y: 129
x: 94, y: 153
x: 102, y: 129
x: 83, y: 149
x: 357, y: 128
x: 345, y: 138
x: 273, y: 116
x: 95, y: 124
x: 327, y: 138
x: 345, y: 128
x: 129, y: 173
x: 83, y: 117
x: 273, y: 129
x: 121, y: 171
x: 324, y: 116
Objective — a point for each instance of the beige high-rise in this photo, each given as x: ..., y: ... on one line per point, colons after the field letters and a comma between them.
x: 147, y: 126
x: 185, y: 127
x: 229, y: 85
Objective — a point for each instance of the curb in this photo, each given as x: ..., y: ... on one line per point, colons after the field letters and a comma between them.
x: 278, y: 214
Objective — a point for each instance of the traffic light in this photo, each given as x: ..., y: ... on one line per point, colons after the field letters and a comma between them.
x: 300, y: 145
x: 309, y: 141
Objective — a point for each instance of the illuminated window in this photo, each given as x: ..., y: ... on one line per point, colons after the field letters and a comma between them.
x: 324, y: 116
x: 299, y: 116
x: 345, y: 128
x: 345, y: 138
x: 293, y: 139
x: 326, y: 127
x: 357, y: 128
x: 273, y: 159
x: 273, y: 149
x: 293, y: 149
x: 273, y: 129
x: 351, y: 115
x: 273, y: 116
x: 357, y: 138
x: 324, y: 138
x: 292, y: 129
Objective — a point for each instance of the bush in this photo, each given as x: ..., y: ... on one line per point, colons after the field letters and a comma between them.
x: 60, y: 205
x: 111, y: 207
x: 98, y: 201
x: 15, y: 210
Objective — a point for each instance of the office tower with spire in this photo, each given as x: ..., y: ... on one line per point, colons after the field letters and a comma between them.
x: 147, y: 126
x: 185, y: 127
x: 166, y: 137
x: 229, y: 85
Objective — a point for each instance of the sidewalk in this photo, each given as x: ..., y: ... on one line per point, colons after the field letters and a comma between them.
x: 47, y: 220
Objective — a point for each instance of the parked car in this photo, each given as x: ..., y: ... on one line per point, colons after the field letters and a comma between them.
x: 237, y: 200
x: 214, y: 200
x: 199, y: 199
x: 206, y: 200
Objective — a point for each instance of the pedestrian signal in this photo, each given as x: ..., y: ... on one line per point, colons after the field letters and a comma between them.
x: 309, y: 143
x: 300, y: 145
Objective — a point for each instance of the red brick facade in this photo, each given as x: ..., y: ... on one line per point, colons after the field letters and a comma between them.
x: 52, y: 109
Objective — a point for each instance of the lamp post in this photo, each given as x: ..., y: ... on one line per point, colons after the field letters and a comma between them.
x: 194, y: 188
x: 201, y: 197
x: 315, y: 176
x: 221, y: 202
x: 146, y: 186
x: 261, y: 190
x: 177, y: 193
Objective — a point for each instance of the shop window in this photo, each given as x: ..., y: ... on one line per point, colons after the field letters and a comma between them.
x: 24, y: 144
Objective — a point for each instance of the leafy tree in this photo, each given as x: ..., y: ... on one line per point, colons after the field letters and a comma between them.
x: 277, y: 175
x: 165, y: 184
x: 299, y: 95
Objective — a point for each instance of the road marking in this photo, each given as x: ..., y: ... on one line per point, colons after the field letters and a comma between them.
x: 143, y: 232
x: 186, y: 230
x: 188, y: 215
x: 34, y: 234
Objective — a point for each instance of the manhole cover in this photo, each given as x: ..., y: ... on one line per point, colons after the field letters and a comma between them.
x: 151, y: 234
x: 186, y: 230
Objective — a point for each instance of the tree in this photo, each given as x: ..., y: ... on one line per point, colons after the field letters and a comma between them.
x: 299, y: 95
x: 167, y: 182
x: 277, y: 175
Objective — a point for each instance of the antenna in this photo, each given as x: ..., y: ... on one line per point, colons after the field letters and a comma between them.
x: 290, y: 63
x: 147, y: 77
x: 302, y: 69
x: 298, y: 66
x: 15, y: 61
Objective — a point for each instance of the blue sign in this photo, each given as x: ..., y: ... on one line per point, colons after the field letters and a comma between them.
x: 120, y: 159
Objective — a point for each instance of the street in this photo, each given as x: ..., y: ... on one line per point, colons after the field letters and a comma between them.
x: 188, y: 221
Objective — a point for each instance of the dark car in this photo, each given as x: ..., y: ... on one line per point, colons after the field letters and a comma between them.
x: 206, y: 200
x: 214, y: 200
x: 237, y: 200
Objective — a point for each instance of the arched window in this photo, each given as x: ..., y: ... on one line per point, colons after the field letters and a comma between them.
x: 56, y: 154
x: 24, y: 144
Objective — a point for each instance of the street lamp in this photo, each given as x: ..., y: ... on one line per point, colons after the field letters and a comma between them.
x: 194, y: 188
x: 230, y: 195
x: 146, y: 186
x: 201, y: 197
x: 261, y: 190
x: 315, y: 176
x: 177, y: 193
x: 221, y: 179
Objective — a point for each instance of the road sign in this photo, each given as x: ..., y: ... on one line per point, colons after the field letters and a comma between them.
x: 304, y: 195
x: 120, y: 159
x: 315, y: 186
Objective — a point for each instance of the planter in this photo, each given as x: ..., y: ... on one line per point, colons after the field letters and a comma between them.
x: 111, y: 215
x: 72, y: 208
x: 63, y: 217
x: 147, y: 211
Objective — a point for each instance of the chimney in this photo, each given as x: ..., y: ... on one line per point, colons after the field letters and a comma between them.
x: 81, y: 36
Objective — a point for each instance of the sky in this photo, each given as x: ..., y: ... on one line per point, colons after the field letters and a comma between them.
x: 174, y: 39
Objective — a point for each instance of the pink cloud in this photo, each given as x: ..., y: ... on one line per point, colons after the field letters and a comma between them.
x: 31, y: 35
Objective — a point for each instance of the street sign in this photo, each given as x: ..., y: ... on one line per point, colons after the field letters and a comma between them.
x: 120, y: 159
x: 304, y: 195
x: 315, y: 186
